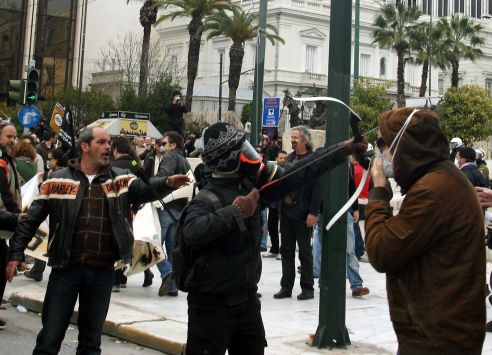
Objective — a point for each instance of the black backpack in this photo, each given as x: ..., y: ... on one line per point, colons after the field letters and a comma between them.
x: 183, y: 257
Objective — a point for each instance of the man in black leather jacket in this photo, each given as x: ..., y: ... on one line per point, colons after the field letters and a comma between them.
x: 223, y: 309
x: 89, y: 207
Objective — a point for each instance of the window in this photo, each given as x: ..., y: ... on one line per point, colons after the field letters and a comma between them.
x: 427, y: 6
x: 476, y: 8
x: 364, y: 64
x: 310, y: 59
x: 50, y: 75
x: 459, y: 6
x: 382, y: 68
x: 442, y: 8
x: 488, y: 86
x: 440, y: 86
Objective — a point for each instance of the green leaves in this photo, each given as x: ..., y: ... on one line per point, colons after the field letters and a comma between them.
x: 466, y: 112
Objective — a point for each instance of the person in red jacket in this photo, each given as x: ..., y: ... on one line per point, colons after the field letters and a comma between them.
x: 358, y: 173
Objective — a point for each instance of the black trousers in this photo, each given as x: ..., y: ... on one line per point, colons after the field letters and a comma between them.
x: 273, y: 230
x: 213, y: 329
x: 294, y: 230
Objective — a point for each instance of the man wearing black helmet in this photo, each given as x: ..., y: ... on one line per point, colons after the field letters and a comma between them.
x: 222, y: 228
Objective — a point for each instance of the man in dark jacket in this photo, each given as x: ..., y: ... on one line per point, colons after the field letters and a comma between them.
x: 299, y: 211
x: 433, y: 253
x: 174, y: 111
x: 466, y: 162
x: 173, y: 162
x: 89, y: 207
x: 223, y: 231
x: 10, y: 197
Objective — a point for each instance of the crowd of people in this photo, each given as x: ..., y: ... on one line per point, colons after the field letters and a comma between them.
x: 433, y: 255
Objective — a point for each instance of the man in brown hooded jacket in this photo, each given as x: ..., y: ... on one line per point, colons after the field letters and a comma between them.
x: 432, y: 252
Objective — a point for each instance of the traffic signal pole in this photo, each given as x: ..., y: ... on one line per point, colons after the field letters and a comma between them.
x: 257, y: 111
x: 331, y: 331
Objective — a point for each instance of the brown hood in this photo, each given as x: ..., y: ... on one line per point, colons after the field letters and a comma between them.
x: 422, y: 145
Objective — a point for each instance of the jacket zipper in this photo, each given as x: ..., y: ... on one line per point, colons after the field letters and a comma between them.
x: 87, y: 224
x: 53, y: 237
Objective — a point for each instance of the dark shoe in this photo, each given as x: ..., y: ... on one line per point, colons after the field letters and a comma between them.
x: 124, y: 279
x: 2, y: 324
x: 488, y: 326
x: 172, y: 293
x: 360, y: 291
x: 166, y: 285
x: 148, y: 279
x: 30, y: 275
x: 305, y: 295
x: 116, y: 288
x: 283, y: 293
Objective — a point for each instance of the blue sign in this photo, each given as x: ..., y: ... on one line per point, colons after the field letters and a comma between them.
x: 271, y: 112
x: 29, y: 116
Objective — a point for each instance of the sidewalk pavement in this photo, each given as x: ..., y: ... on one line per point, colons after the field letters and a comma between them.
x: 138, y: 315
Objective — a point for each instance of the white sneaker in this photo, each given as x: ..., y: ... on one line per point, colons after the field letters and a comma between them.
x: 270, y: 255
x: 279, y: 257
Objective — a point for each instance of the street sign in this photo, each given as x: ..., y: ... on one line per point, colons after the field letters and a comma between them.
x: 29, y: 116
x: 271, y: 112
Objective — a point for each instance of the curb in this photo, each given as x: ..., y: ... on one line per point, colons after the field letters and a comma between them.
x: 128, y: 332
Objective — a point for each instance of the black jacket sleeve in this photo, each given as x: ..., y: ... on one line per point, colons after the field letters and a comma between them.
x: 141, y: 192
x: 8, y: 199
x: 304, y: 173
x: 26, y: 228
x: 8, y: 221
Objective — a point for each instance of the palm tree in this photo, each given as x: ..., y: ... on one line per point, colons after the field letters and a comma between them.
x: 393, y: 29
x: 148, y: 16
x: 458, y: 32
x: 428, y: 46
x: 240, y: 27
x: 198, y: 10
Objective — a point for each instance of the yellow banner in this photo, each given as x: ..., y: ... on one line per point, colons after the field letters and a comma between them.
x: 57, y: 117
x: 133, y: 127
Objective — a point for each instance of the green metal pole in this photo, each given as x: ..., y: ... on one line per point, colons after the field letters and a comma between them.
x: 81, y: 67
x: 331, y: 331
x: 256, y: 112
x: 220, y: 88
x: 430, y: 54
x: 356, y: 39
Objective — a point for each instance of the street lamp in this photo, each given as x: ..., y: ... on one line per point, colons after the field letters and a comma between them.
x: 225, y: 81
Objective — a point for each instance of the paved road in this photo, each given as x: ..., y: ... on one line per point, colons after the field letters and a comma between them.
x: 19, y: 337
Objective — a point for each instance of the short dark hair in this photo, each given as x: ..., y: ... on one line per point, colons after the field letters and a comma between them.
x: 176, y: 138
x: 282, y: 152
x: 176, y: 92
x: 60, y: 156
x: 124, y: 146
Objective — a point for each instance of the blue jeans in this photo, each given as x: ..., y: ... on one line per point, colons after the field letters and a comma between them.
x: 93, y: 288
x: 352, y: 262
x: 167, y: 237
x: 317, y: 238
x: 264, y: 226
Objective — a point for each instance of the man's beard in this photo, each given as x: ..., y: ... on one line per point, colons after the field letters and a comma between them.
x: 294, y: 145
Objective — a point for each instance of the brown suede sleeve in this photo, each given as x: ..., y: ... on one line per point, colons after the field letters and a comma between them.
x: 393, y: 241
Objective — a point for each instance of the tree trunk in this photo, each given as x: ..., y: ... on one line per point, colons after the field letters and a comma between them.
x: 236, y: 55
x: 425, y: 75
x: 193, y: 57
x: 455, y: 74
x: 144, y: 61
x: 400, y: 74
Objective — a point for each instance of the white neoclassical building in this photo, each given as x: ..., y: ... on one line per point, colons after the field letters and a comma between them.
x: 302, y: 62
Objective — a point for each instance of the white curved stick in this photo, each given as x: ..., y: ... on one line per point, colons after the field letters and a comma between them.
x: 327, y: 98
x: 351, y: 200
